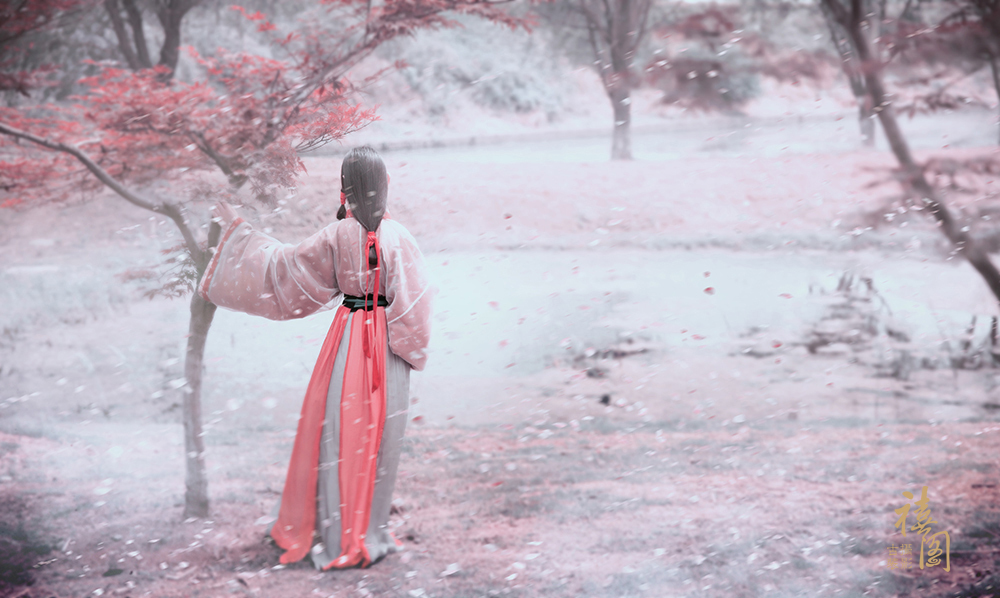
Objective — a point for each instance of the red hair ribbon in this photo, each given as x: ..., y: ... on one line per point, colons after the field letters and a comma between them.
x: 343, y: 202
x: 377, y: 367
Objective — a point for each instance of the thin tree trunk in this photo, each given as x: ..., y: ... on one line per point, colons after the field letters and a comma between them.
x: 171, y: 19
x: 622, y: 25
x: 196, y: 479
x: 621, y: 142
x: 849, y: 66
x: 124, y: 43
x: 614, y: 29
x: 866, y: 112
x: 964, y: 244
x: 138, y: 33
x: 866, y: 120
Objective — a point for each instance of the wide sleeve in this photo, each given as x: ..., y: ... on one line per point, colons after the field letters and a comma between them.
x: 409, y: 295
x: 254, y: 273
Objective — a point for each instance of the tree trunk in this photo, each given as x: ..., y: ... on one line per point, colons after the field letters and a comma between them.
x: 615, y: 29
x: 851, y: 69
x: 202, y: 313
x: 138, y: 33
x: 171, y: 18
x: 866, y: 113
x: 866, y: 120
x: 196, y: 480
x: 124, y: 43
x: 914, y: 174
x: 621, y: 141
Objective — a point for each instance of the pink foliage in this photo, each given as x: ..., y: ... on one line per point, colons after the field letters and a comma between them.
x: 248, y: 118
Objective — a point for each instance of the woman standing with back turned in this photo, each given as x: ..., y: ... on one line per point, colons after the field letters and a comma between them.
x: 346, y: 452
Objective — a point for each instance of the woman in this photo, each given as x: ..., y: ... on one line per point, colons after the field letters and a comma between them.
x: 346, y: 452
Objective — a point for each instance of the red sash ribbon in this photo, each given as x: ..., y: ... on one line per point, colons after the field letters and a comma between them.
x: 362, y: 418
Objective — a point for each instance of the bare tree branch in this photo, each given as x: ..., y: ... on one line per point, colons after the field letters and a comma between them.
x: 170, y: 210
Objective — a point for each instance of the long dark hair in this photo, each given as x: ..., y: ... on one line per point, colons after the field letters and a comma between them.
x: 365, y: 185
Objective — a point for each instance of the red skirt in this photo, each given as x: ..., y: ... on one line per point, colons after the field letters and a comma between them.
x: 361, y: 419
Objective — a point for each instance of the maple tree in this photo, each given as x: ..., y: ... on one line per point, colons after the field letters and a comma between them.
x: 136, y: 128
x: 854, y: 18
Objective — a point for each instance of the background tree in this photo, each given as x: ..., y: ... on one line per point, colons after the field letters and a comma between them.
x: 18, y: 19
x: 132, y: 37
x: 247, y: 118
x: 855, y: 18
x: 850, y: 63
x: 613, y: 31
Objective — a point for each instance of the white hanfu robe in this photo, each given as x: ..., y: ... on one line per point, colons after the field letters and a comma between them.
x: 343, y: 466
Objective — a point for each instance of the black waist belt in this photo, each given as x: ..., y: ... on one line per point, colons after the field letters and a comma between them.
x: 355, y: 303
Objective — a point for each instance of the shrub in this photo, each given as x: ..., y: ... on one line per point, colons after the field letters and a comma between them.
x: 701, y: 80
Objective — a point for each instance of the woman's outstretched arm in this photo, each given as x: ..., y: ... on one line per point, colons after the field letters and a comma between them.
x: 254, y: 273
